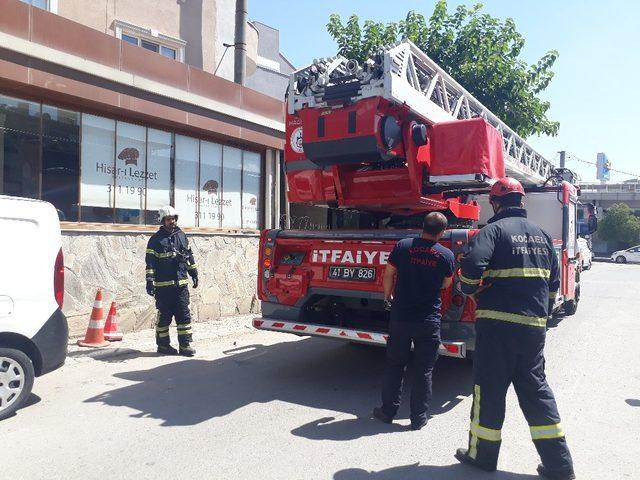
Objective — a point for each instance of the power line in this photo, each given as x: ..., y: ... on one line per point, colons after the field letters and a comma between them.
x: 578, y: 159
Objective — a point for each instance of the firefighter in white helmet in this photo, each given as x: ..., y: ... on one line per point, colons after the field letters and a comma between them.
x: 169, y: 264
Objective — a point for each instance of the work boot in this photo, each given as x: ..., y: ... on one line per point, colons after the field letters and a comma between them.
x: 380, y: 415
x: 187, y: 350
x: 419, y: 424
x: 555, y: 474
x: 462, y: 455
x: 167, y: 350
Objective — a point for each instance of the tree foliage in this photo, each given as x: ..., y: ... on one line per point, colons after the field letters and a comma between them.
x: 620, y: 225
x: 479, y: 51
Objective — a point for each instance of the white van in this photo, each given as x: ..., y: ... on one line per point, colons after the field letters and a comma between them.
x: 33, y: 329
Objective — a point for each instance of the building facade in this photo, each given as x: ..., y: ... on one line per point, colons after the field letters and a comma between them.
x: 109, y: 117
x: 272, y: 70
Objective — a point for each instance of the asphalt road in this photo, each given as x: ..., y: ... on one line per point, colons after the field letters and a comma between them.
x: 259, y: 405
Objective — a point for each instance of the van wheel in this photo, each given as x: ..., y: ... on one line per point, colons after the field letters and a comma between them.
x: 16, y: 380
x: 571, y: 306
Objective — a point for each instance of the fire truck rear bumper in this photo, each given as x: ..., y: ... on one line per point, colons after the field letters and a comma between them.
x: 449, y: 349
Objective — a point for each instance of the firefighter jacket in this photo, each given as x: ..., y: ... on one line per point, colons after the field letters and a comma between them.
x: 169, y: 259
x: 513, y: 267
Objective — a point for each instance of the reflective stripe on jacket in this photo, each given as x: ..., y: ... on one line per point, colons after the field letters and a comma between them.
x: 169, y: 259
x: 514, y: 266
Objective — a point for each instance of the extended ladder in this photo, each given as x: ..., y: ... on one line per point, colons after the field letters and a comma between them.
x: 404, y: 74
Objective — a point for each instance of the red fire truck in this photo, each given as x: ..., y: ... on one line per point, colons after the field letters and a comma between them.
x: 393, y: 139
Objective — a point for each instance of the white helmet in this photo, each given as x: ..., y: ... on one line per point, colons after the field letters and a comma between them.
x: 167, y: 211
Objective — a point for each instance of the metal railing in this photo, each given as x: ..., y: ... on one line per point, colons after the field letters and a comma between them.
x: 610, y: 188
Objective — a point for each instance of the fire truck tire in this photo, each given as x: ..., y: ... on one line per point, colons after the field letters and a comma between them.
x: 571, y: 306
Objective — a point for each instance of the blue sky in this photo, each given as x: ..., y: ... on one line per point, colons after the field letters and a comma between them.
x: 595, y: 94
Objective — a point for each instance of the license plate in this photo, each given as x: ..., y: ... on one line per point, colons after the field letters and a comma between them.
x: 360, y: 274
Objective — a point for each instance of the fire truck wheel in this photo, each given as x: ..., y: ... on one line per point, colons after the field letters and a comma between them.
x: 571, y: 306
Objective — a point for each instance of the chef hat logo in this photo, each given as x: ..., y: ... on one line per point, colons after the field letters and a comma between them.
x: 211, y: 187
x: 253, y: 201
x: 130, y: 156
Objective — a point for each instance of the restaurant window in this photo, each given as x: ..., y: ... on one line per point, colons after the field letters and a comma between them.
x: 159, y: 172
x: 19, y: 147
x: 210, y: 214
x: 186, y: 183
x: 61, y: 160
x: 231, y: 187
x: 97, y: 169
x: 130, y: 167
x: 251, y: 204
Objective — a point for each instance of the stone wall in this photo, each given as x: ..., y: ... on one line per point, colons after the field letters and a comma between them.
x: 115, y: 262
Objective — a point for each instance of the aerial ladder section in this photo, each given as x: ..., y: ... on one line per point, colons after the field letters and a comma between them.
x: 404, y: 75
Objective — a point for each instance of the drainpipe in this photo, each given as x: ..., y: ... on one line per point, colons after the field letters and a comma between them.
x: 240, y: 60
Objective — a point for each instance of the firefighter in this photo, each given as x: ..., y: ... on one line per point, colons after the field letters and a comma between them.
x: 169, y: 259
x: 418, y: 268
x: 512, y: 271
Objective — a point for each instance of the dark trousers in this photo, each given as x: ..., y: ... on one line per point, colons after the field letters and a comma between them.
x: 509, y: 353
x: 173, y: 302
x: 425, y: 337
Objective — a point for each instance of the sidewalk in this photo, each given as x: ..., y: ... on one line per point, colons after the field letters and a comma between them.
x: 144, y: 340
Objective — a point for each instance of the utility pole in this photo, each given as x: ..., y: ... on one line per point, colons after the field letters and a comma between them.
x: 563, y: 155
x: 240, y: 63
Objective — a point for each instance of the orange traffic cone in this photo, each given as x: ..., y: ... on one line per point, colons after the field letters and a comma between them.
x: 95, y: 330
x: 111, y: 331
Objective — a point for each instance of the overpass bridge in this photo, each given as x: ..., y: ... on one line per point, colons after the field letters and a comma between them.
x: 604, y: 196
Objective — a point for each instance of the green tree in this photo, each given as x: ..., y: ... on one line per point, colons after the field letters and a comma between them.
x: 479, y: 51
x: 620, y: 225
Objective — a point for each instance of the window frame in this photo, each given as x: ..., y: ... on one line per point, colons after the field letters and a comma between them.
x: 137, y: 39
x: 151, y: 36
x: 51, y: 5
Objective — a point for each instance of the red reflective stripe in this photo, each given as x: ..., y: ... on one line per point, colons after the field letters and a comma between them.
x: 343, y: 334
x: 323, y: 330
x: 364, y: 336
x: 278, y: 325
x: 386, y: 338
x: 299, y: 327
x: 258, y: 323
